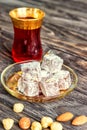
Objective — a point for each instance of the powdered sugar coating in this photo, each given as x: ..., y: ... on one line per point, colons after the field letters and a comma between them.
x: 51, y: 63
x: 49, y: 86
x: 64, y: 79
x: 45, y: 78
x: 29, y: 88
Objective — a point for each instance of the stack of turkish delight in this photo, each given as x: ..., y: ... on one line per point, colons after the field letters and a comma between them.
x: 46, y: 77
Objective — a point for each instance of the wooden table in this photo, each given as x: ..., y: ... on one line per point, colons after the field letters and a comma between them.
x: 64, y: 31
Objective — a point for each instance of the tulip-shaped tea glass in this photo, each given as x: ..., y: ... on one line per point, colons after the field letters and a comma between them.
x: 27, y: 24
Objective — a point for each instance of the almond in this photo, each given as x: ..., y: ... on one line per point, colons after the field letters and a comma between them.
x: 80, y: 120
x: 65, y: 117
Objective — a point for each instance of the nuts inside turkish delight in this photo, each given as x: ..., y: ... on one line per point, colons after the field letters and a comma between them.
x: 64, y: 79
x: 51, y: 63
x: 49, y: 86
x: 28, y: 83
x: 29, y: 88
x: 31, y: 70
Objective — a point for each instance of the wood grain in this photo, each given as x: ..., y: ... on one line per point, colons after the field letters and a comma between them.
x: 64, y: 31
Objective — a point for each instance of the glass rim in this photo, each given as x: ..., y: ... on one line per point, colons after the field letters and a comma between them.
x: 35, y: 11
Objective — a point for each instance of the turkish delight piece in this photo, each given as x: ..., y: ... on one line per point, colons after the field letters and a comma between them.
x: 49, y: 86
x: 31, y: 70
x: 44, y: 74
x: 28, y: 88
x: 64, y: 79
x: 51, y: 63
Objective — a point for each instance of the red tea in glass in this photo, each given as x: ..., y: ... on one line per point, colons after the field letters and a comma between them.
x: 27, y: 25
x: 27, y: 45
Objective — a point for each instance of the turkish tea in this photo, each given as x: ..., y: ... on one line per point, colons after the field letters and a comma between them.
x: 27, y: 45
x: 27, y: 24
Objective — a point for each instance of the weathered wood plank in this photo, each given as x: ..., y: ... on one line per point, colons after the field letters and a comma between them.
x: 64, y: 31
